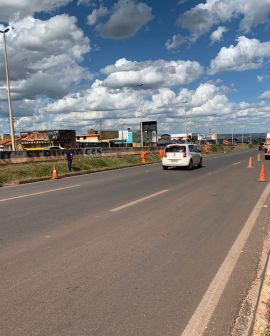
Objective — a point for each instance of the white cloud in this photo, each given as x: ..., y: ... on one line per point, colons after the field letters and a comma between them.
x: 44, y: 57
x: 85, y: 2
x: 97, y: 98
x: 116, y: 107
x: 217, y: 35
x: 207, y: 106
x: 247, y: 54
x: 96, y: 14
x: 261, y: 78
x: 153, y: 74
x: 265, y: 95
x: 205, y: 93
x: 16, y: 9
x: 127, y: 18
x: 202, y: 17
x: 174, y: 42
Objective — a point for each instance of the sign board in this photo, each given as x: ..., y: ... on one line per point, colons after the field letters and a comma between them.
x: 149, y: 126
x: 207, y: 136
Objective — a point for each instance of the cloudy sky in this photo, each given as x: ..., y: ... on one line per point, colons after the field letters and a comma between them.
x: 80, y: 64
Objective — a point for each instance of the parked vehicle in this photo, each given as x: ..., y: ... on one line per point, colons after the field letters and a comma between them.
x: 267, y: 147
x: 53, y: 148
x: 182, y: 155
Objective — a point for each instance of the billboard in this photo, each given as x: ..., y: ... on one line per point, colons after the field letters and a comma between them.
x: 48, y: 137
x: 207, y: 136
x: 149, y: 126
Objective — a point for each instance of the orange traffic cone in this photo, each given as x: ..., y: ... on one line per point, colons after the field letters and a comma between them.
x: 250, y: 164
x: 142, y: 156
x: 54, y: 173
x: 161, y: 153
x: 259, y: 156
x: 262, y: 177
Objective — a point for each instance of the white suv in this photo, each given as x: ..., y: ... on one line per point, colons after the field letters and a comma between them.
x: 181, y: 155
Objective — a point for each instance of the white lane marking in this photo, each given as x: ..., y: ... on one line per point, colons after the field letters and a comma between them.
x: 139, y: 200
x: 202, y: 315
x: 39, y: 193
x: 236, y: 163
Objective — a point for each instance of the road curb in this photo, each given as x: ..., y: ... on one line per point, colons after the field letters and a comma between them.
x: 262, y: 317
x: 78, y: 173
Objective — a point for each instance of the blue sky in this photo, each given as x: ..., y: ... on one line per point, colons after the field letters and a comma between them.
x: 76, y: 64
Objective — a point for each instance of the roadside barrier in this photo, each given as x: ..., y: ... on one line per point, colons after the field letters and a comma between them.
x: 259, y: 156
x: 143, y: 156
x: 206, y: 149
x: 54, y: 173
x: 250, y: 164
x: 262, y: 176
x: 161, y: 153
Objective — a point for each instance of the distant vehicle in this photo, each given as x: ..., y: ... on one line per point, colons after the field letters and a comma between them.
x: 227, y: 142
x: 53, y: 148
x: 267, y: 147
x: 182, y: 155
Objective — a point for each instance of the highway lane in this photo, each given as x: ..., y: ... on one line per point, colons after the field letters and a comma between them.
x: 71, y: 266
x: 92, y: 193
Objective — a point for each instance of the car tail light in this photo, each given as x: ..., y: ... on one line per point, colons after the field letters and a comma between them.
x: 185, y: 154
x: 165, y: 154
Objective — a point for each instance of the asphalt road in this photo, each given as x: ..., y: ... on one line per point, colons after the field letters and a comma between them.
x: 127, y: 252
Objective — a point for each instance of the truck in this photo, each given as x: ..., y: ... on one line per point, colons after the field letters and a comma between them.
x: 267, y: 147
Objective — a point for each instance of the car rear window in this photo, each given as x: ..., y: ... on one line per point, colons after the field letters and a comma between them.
x: 175, y: 149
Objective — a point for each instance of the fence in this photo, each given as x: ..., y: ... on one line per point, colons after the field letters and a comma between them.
x: 43, y: 155
x: 5, y: 155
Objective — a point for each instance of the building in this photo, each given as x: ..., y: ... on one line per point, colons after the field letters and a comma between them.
x: 6, y: 144
x: 87, y: 137
x: 41, y: 139
x: 105, y: 138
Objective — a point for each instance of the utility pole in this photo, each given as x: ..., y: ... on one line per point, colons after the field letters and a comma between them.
x: 100, y: 123
x: 186, y: 124
x: 141, y: 112
x: 11, y: 120
x: 185, y: 119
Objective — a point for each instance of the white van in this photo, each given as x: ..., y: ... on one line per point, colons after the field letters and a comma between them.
x: 182, y: 155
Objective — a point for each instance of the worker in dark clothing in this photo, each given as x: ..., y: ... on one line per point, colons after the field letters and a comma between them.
x: 69, y: 158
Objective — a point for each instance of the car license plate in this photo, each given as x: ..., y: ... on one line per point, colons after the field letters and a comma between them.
x: 174, y: 160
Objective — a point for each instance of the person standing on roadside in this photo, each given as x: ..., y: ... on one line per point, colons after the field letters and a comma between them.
x: 69, y: 158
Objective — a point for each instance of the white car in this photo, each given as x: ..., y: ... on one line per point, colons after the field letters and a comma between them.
x: 53, y: 148
x: 182, y: 155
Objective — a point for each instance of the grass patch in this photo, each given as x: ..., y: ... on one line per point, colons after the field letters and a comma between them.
x: 267, y: 332
x: 227, y: 149
x: 35, y: 171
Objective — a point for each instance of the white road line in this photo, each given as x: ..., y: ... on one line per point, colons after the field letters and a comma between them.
x: 236, y: 163
x: 39, y: 193
x: 139, y: 200
x: 202, y: 315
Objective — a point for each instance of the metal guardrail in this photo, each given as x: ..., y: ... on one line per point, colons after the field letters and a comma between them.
x: 6, y: 155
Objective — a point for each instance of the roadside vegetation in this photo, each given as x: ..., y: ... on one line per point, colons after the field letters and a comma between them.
x: 227, y: 149
x: 16, y: 173
x: 36, y: 171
